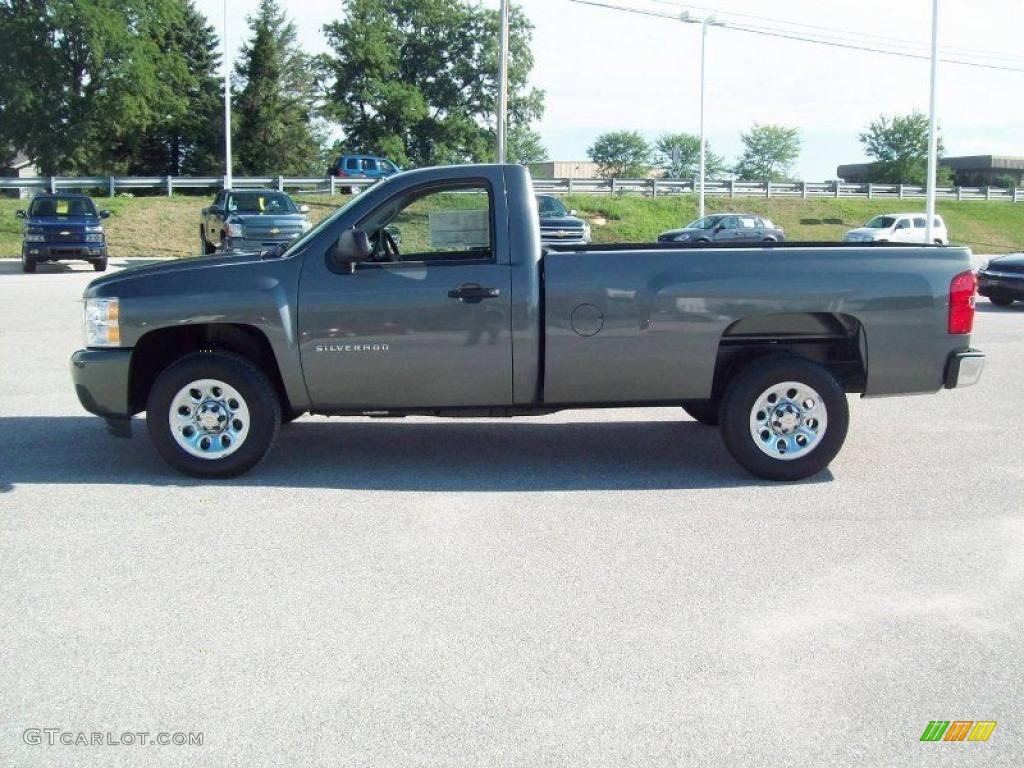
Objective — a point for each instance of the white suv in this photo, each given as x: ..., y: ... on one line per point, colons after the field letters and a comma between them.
x: 898, y: 228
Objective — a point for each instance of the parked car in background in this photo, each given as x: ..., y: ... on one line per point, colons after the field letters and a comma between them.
x: 251, y: 220
x: 559, y: 226
x: 63, y: 227
x: 363, y: 167
x: 1001, y: 281
x: 899, y: 228
x: 726, y: 228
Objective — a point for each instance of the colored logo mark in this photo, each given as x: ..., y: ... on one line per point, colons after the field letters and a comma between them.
x: 958, y: 730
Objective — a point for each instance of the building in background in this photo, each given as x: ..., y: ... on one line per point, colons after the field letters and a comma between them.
x: 564, y: 169
x: 968, y: 171
x: 19, y: 168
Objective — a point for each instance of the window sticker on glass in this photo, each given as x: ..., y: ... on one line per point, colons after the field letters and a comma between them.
x: 459, y: 229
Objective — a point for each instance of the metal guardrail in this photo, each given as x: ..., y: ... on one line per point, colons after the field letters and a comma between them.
x: 652, y: 187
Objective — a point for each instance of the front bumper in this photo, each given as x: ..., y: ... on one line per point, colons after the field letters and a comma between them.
x: 1008, y: 285
x: 556, y: 241
x: 58, y: 251
x: 963, y: 369
x: 101, y: 379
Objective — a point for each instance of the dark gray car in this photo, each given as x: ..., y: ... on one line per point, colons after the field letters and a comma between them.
x: 726, y: 228
x: 251, y: 220
x: 467, y: 314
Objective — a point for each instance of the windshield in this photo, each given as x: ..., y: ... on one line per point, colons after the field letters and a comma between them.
x: 881, y: 222
x: 43, y: 207
x: 706, y: 223
x: 550, y: 206
x: 260, y: 202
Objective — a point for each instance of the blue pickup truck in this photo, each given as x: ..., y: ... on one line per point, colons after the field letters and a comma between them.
x: 62, y: 227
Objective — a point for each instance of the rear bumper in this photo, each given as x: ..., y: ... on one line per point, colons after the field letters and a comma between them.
x: 52, y: 252
x: 963, y: 369
x: 101, y: 381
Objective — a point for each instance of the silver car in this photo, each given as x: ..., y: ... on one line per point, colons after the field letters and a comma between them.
x: 726, y: 228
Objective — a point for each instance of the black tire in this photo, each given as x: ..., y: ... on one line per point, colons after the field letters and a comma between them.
x: 704, y: 411
x: 208, y: 248
x: 100, y: 265
x: 235, y: 371
x: 28, y: 266
x: 1000, y: 301
x: 702, y: 241
x: 769, y: 240
x: 741, y: 397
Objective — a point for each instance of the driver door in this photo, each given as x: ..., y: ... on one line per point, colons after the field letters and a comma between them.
x: 426, y: 323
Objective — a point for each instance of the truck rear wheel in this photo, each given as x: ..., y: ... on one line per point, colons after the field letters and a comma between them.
x: 704, y: 411
x: 213, y: 414
x: 1000, y: 301
x: 27, y: 265
x: 784, y: 418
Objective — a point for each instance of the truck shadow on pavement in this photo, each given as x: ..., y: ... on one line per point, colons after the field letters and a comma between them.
x: 393, y: 456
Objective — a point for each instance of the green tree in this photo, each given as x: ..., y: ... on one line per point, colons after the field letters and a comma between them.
x: 688, y: 163
x: 188, y: 139
x: 524, y: 146
x: 769, y: 152
x: 416, y: 80
x: 275, y: 101
x: 899, y: 147
x: 621, y: 154
x: 81, y: 80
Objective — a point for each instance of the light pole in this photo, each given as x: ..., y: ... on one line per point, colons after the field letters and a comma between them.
x: 705, y: 22
x: 227, y: 102
x: 933, y: 145
x: 503, y: 83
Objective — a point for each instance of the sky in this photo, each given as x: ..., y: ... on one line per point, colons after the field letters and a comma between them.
x: 604, y: 70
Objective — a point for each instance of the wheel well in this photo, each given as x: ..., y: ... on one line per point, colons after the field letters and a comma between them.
x: 835, y: 341
x: 158, y: 349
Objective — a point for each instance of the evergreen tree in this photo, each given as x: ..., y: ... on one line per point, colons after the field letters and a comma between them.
x: 275, y: 101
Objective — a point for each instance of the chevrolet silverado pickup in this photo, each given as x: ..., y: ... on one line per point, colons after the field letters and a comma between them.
x: 251, y: 220
x: 62, y: 227
x: 467, y: 314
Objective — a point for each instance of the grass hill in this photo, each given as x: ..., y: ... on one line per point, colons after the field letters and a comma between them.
x: 162, y: 226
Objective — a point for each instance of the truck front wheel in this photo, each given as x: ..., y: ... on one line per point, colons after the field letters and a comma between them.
x: 213, y: 414
x: 784, y: 418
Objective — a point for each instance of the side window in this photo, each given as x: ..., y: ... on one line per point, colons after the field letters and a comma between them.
x: 352, y: 164
x: 369, y: 164
x: 939, y: 223
x: 436, y: 224
x: 903, y: 224
x: 730, y: 222
x: 388, y: 166
x: 919, y: 222
x: 748, y: 223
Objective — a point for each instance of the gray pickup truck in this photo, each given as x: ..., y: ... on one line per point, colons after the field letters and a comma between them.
x: 251, y: 220
x: 470, y: 316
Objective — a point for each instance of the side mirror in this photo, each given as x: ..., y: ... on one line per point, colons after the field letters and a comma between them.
x: 303, y: 209
x: 104, y: 214
x: 20, y: 214
x: 352, y: 247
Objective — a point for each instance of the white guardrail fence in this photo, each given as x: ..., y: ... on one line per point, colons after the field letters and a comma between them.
x: 112, y: 185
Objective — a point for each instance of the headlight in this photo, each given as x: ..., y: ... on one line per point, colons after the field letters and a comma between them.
x: 95, y: 228
x: 306, y: 226
x: 234, y: 230
x: 35, y: 237
x: 94, y: 238
x: 101, y: 323
x: 682, y: 238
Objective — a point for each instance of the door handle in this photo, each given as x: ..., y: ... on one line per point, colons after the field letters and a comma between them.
x: 473, y: 293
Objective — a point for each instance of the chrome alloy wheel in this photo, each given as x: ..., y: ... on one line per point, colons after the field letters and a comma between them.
x: 788, y: 420
x: 209, y: 419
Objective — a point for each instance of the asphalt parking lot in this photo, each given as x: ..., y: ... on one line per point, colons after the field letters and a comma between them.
x: 583, y: 589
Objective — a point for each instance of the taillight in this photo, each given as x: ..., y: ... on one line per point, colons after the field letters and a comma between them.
x: 961, y: 302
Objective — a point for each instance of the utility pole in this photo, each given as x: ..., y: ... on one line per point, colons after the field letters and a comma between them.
x: 503, y: 85
x: 227, y: 101
x: 933, y: 144
x: 705, y: 22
